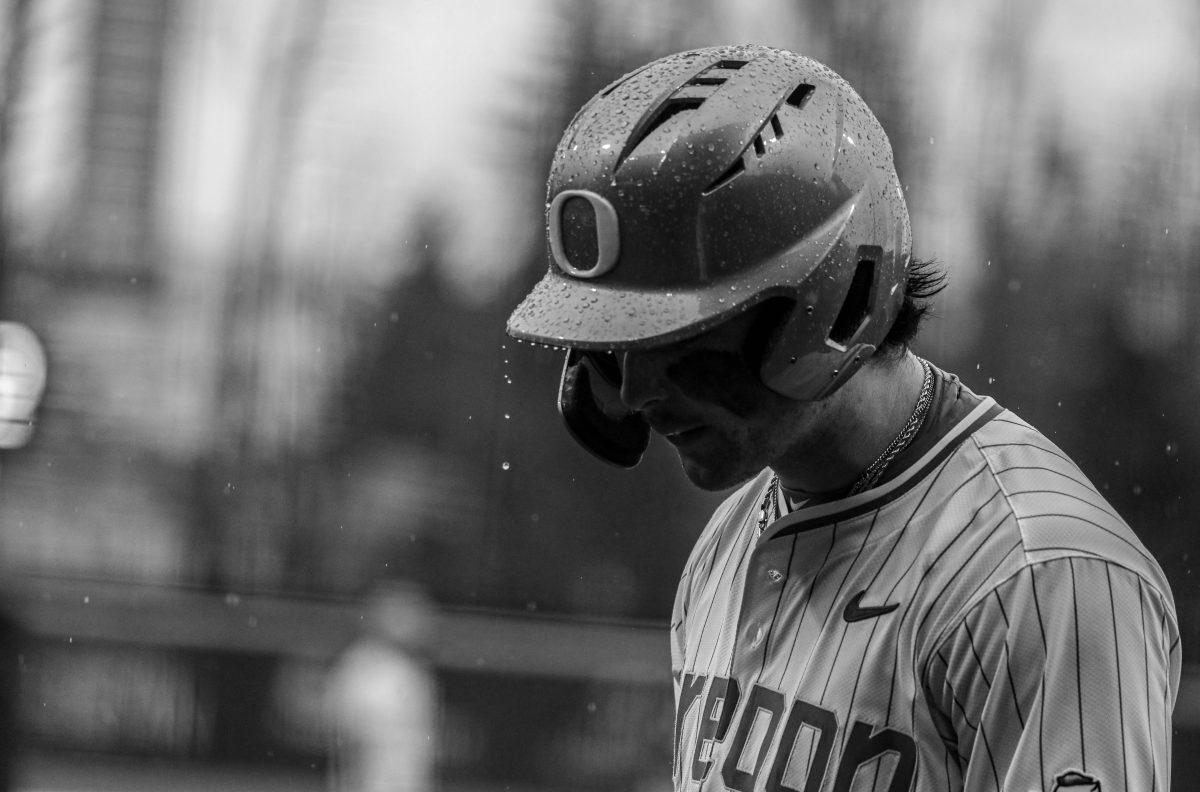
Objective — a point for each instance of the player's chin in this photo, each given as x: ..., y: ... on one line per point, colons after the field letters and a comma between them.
x: 711, y: 472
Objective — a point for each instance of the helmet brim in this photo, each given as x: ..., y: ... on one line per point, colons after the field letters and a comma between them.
x: 565, y: 312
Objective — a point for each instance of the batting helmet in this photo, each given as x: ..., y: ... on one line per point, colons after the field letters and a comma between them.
x: 701, y: 185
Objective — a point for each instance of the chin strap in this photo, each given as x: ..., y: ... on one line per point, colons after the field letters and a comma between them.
x: 589, y: 399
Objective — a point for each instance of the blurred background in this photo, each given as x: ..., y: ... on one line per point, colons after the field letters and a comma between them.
x: 295, y: 514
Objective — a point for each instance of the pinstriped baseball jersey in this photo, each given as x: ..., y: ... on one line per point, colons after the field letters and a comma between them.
x: 981, y: 621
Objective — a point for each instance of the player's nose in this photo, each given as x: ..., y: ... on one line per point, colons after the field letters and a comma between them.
x: 643, y: 378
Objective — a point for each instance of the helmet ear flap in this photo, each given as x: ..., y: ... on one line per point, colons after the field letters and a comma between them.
x: 589, y: 400
x: 766, y: 332
x: 812, y: 355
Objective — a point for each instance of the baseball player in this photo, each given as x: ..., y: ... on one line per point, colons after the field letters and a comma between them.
x: 911, y: 588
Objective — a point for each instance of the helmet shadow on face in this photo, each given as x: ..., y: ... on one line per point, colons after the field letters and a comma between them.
x: 718, y: 368
x: 718, y: 378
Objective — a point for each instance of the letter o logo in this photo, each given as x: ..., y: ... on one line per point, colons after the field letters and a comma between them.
x: 608, y: 239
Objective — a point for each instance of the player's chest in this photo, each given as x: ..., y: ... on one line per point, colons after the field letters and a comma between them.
x: 805, y: 619
x: 792, y: 673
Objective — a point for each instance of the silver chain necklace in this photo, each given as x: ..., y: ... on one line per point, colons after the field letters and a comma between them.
x: 900, y: 441
x: 770, y: 503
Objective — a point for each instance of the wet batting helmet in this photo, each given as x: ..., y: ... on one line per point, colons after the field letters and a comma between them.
x: 699, y: 186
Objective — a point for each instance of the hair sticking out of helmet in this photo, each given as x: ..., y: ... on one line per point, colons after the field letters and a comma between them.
x: 734, y: 175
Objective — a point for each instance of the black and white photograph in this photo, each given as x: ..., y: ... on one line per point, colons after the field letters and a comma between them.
x: 599, y: 395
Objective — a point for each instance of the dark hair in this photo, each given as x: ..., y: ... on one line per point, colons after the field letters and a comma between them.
x: 925, y: 279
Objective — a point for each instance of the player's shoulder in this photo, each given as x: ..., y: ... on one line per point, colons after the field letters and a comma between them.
x: 1014, y: 504
x: 1053, y: 501
x: 1056, y: 510
x: 1009, y: 439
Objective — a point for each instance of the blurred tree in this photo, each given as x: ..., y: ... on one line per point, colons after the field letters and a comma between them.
x: 15, y: 27
x: 255, y: 480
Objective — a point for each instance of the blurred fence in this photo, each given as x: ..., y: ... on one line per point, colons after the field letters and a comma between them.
x: 152, y: 685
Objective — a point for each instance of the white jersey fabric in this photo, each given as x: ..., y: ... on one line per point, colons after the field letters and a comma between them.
x: 983, y: 620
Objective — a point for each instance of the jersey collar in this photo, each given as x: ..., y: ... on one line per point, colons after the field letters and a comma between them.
x: 892, y: 488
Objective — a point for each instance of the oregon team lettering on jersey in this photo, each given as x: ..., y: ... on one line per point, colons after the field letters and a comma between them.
x: 981, y: 621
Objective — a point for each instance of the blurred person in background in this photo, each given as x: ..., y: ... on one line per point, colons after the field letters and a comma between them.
x: 910, y: 588
x: 383, y: 697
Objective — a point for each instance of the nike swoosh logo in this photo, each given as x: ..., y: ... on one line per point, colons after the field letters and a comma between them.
x: 854, y: 612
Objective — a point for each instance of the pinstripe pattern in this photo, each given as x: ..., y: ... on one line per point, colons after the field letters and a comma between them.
x: 1032, y: 634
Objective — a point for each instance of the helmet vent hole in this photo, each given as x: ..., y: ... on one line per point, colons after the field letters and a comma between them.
x: 666, y: 111
x: 799, y: 97
x: 732, y: 172
x: 718, y: 73
x: 688, y: 96
x: 857, y: 305
x: 772, y: 131
x: 671, y: 108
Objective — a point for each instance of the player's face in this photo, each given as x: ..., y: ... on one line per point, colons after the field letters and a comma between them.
x: 706, y: 398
